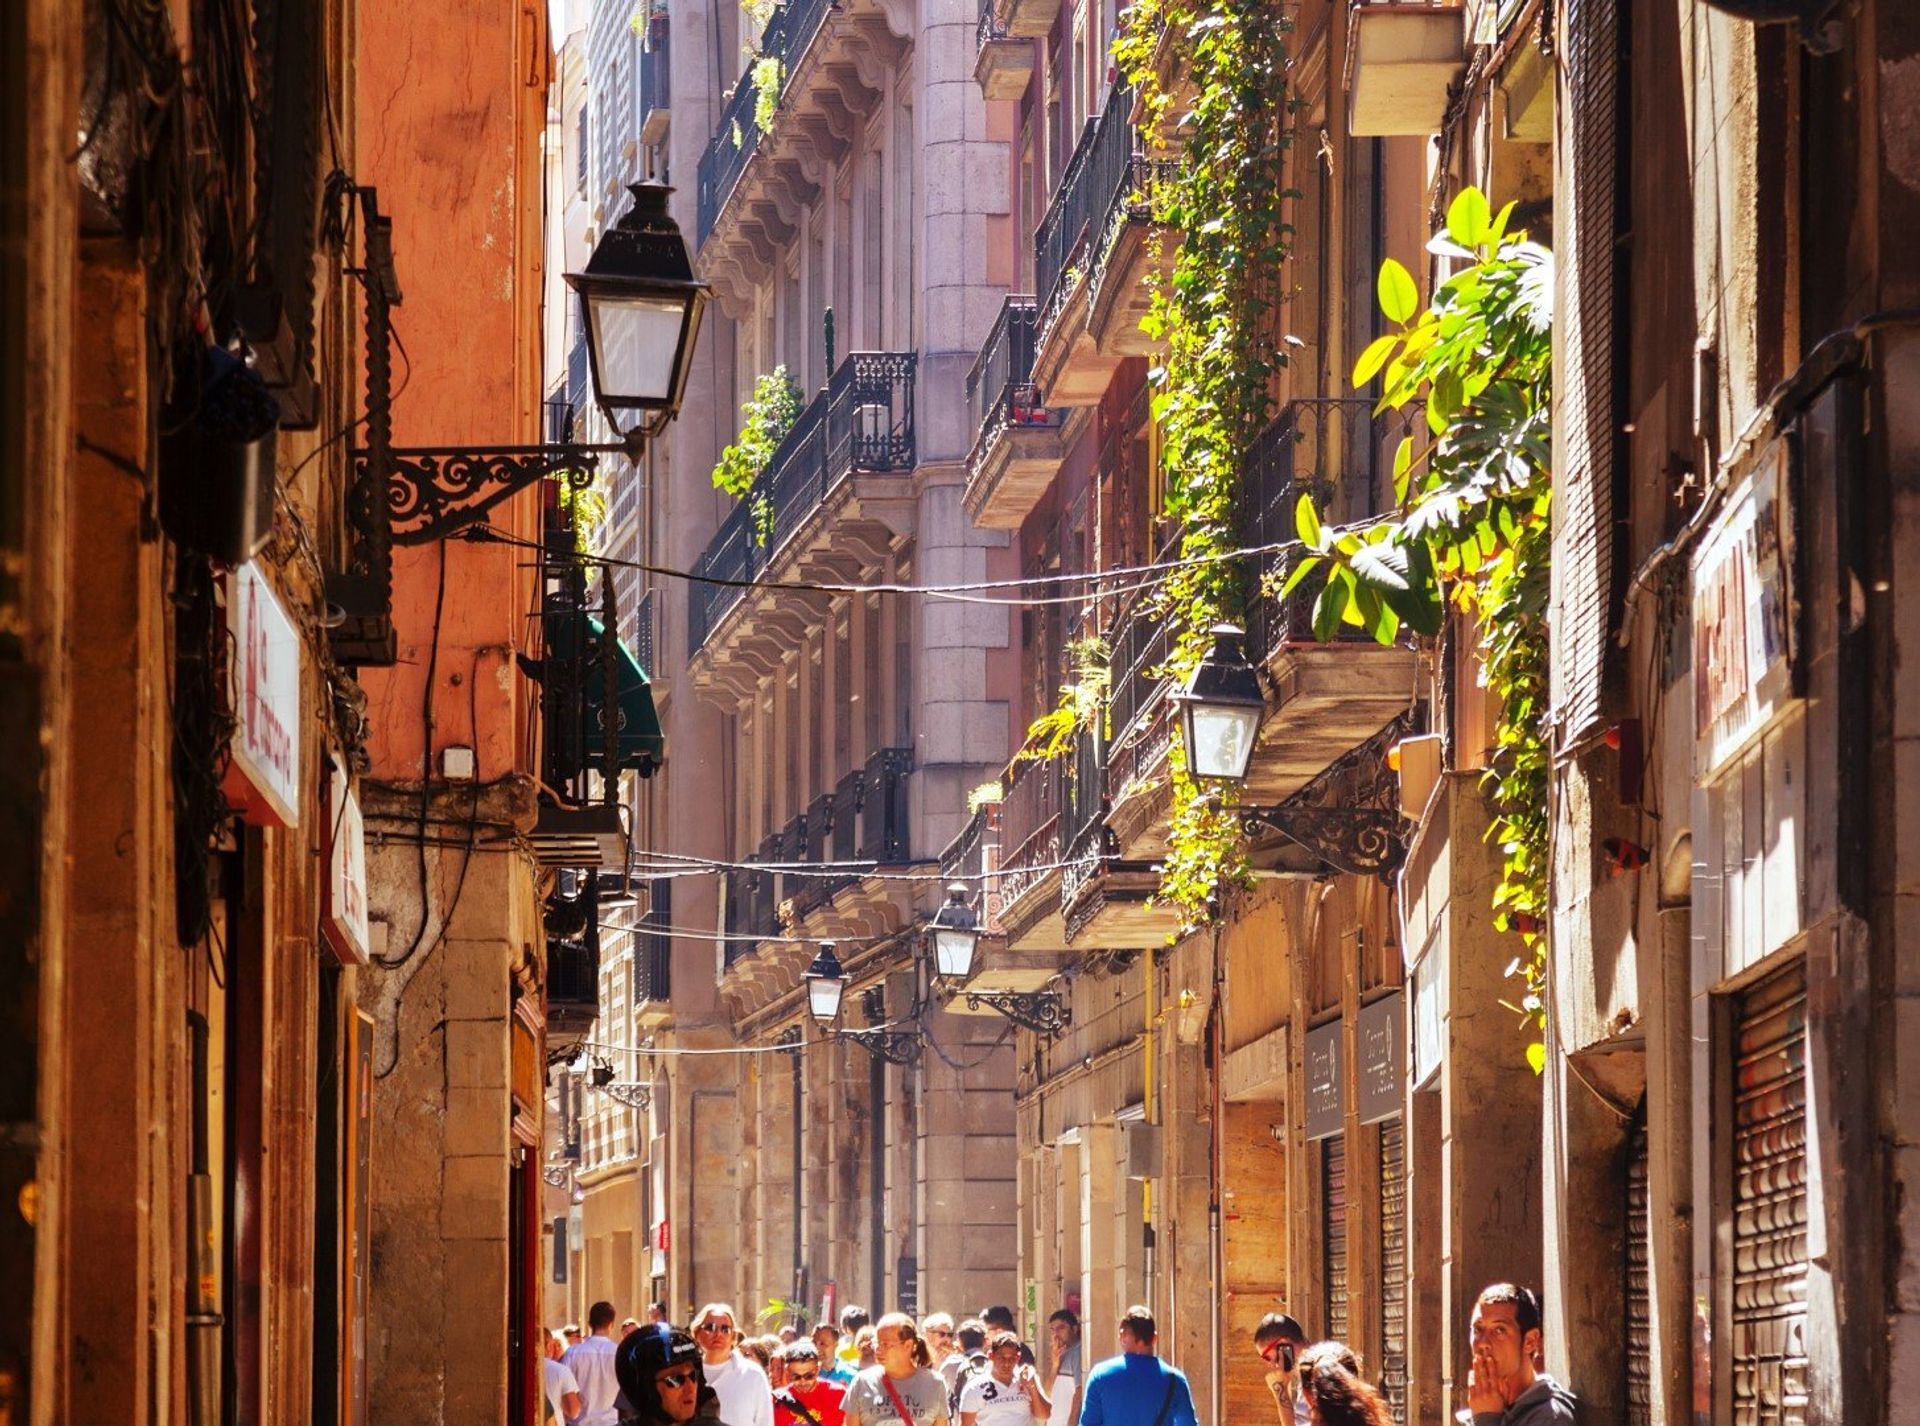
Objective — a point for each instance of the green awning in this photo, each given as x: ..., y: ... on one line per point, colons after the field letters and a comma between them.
x: 642, y: 745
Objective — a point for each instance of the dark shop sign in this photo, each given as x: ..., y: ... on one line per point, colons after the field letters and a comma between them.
x: 1326, y: 1086
x: 1380, y: 1033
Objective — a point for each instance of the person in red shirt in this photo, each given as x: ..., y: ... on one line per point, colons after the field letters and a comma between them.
x: 807, y: 1399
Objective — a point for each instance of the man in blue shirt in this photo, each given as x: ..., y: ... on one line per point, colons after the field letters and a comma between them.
x: 1136, y: 1388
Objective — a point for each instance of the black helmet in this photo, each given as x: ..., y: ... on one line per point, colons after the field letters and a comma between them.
x: 644, y: 1354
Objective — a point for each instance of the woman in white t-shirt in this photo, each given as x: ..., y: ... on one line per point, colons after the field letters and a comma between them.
x: 902, y: 1388
x: 1007, y: 1395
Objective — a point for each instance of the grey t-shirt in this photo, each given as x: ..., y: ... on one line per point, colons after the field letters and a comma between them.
x: 869, y: 1402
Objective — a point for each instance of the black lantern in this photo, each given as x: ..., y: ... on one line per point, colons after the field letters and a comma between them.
x: 826, y: 983
x: 1220, y: 709
x: 955, y: 932
x: 642, y: 306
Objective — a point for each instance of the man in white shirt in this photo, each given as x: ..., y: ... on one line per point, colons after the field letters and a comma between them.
x: 563, y: 1392
x: 591, y: 1363
x: 1008, y: 1394
x: 746, y: 1398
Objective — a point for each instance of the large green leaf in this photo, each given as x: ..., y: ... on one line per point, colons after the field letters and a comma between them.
x: 1468, y: 218
x: 1398, y: 295
x: 1374, y: 357
x: 1328, y: 610
x: 1307, y: 521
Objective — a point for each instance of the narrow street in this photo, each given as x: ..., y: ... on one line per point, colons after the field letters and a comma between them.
x: 959, y: 712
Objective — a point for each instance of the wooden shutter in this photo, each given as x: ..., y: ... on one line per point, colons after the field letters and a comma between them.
x: 1587, y: 399
x: 1769, y: 1279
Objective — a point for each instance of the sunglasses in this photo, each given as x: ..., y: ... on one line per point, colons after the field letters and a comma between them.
x: 676, y: 1381
x: 719, y: 1329
x: 793, y: 1375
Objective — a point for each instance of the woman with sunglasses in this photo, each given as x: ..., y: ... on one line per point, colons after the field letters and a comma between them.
x: 902, y: 1388
x: 745, y: 1397
x: 659, y: 1372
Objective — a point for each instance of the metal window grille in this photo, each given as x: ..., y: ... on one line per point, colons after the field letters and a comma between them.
x: 1393, y: 1267
x: 1639, y: 1303
x: 1333, y: 1195
x: 1769, y: 1316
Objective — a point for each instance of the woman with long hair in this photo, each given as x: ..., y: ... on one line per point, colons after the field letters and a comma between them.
x: 902, y: 1388
x: 1330, y: 1385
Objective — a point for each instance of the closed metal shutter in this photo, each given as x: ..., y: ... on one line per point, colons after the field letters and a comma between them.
x: 1639, y: 1302
x: 1769, y: 1318
x: 1393, y: 1267
x: 1589, y: 219
x: 1333, y: 1190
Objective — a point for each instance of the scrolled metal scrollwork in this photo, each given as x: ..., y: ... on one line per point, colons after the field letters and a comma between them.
x: 556, y: 1175
x: 1348, y: 815
x: 634, y: 1096
x: 431, y: 493
x: 1045, y: 1012
x: 896, y: 1047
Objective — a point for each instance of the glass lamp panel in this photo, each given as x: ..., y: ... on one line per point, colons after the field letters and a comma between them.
x: 823, y: 997
x: 636, y: 339
x: 1221, y: 741
x: 953, y: 952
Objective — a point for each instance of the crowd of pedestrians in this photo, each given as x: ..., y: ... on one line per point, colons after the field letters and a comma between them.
x: 978, y: 1372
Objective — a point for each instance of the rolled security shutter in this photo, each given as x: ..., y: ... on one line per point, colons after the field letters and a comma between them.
x: 1587, y: 400
x: 1639, y: 1302
x: 1393, y: 1267
x: 1333, y: 1191
x: 1769, y: 1308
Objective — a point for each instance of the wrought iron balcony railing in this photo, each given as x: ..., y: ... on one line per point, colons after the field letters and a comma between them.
x: 1335, y: 448
x: 789, y: 32
x: 863, y: 421
x: 1000, y: 390
x: 1107, y: 179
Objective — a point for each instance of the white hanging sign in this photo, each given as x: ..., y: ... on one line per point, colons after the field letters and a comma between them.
x: 263, y: 688
x: 346, y: 919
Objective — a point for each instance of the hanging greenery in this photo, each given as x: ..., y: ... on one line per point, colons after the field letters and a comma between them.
x: 1470, y: 529
x: 586, y: 510
x: 766, y: 418
x: 1082, y: 705
x: 769, y: 73
x: 1215, y: 314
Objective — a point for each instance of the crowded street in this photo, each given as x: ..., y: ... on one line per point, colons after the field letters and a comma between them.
x: 959, y: 712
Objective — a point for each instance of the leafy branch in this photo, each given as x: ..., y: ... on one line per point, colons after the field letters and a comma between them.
x: 1471, y: 526
x: 767, y: 416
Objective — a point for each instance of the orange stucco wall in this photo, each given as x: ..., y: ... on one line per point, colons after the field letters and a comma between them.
x: 453, y: 103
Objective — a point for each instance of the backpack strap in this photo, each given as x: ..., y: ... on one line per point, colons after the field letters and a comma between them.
x: 906, y: 1416
x: 1166, y: 1402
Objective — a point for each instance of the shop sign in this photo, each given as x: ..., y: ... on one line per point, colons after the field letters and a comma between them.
x: 263, y: 771
x: 345, y: 923
x: 1745, y: 607
x: 1380, y: 1034
x: 907, y: 1281
x: 1326, y: 1090
x: 1428, y: 979
x: 662, y: 1237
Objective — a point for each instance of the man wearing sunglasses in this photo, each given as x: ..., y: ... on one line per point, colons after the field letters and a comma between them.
x: 745, y: 1397
x: 808, y: 1399
x: 1279, y: 1340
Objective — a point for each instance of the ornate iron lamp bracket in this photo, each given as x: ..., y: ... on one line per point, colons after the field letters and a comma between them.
x: 556, y: 1175
x: 896, y: 1047
x: 1349, y: 815
x: 633, y: 1095
x: 433, y: 492
x: 1045, y: 1012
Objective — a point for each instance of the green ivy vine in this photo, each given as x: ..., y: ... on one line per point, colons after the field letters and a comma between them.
x: 766, y: 418
x: 1471, y: 525
x: 1212, y: 391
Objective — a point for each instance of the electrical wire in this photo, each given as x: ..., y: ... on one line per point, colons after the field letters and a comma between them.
x: 866, y: 871
x: 1131, y: 578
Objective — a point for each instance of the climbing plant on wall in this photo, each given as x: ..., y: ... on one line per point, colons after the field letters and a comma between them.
x: 1470, y: 529
x: 767, y: 416
x: 1212, y: 80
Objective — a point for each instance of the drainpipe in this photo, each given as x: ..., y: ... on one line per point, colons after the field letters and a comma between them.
x: 799, y: 1180
x: 1216, y: 1176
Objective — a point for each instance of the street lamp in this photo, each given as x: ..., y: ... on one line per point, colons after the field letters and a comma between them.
x: 826, y: 983
x: 643, y: 310
x: 1220, y: 709
x: 955, y: 932
x: 642, y: 307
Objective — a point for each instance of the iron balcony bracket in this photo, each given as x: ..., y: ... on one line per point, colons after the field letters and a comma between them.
x: 433, y: 492
x: 896, y: 1047
x: 634, y: 1096
x: 556, y: 1175
x: 1045, y: 1012
x: 1365, y: 841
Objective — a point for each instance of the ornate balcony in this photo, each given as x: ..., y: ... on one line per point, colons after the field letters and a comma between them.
x: 832, y: 503
x: 1018, y: 443
x: 1325, y: 697
x: 834, y: 59
x: 1141, y: 720
x: 1030, y: 855
x: 1092, y: 253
